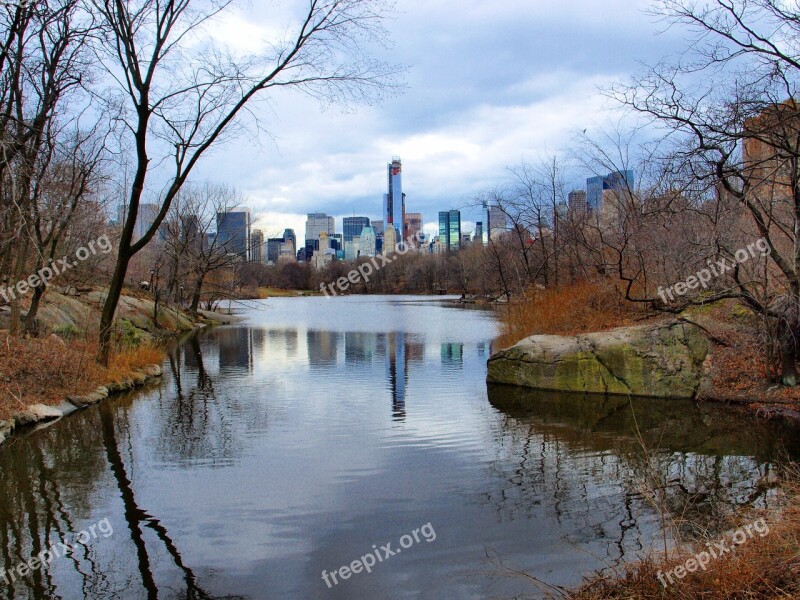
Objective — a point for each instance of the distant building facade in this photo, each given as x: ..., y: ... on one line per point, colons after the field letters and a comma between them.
x: 577, y: 201
x: 257, y: 246
x: 317, y: 223
x: 352, y: 226
x: 450, y: 230
x: 595, y: 186
x: 274, y: 246
x: 289, y: 235
x: 393, y: 200
x: 412, y: 225
x: 233, y: 232
x: 496, y: 221
x: 367, y: 242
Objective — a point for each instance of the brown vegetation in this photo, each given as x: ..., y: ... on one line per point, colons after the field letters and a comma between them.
x: 45, y: 370
x: 582, y: 307
x: 761, y: 568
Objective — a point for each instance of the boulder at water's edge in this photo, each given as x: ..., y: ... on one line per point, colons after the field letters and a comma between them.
x: 664, y: 360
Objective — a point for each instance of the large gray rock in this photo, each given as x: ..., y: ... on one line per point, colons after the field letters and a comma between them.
x: 663, y: 360
x: 36, y: 413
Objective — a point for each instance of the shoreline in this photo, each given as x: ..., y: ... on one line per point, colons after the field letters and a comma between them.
x: 44, y: 413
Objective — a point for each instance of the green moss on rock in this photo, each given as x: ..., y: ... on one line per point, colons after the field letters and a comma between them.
x: 664, y: 360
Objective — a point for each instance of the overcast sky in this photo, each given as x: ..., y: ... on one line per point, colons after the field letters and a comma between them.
x: 489, y: 83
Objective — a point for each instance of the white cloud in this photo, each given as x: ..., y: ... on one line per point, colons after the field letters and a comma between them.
x: 489, y: 85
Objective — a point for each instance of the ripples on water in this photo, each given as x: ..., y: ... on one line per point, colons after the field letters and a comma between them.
x: 294, y: 442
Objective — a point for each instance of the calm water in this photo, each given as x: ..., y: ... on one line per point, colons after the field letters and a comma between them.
x: 293, y: 443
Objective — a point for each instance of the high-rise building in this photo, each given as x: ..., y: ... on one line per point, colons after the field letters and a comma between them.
x: 257, y: 246
x: 316, y: 224
x: 366, y: 245
x: 497, y: 221
x: 393, y: 200
x: 378, y: 227
x: 287, y: 250
x: 577, y: 201
x: 618, y: 180
x: 289, y: 235
x: 233, y: 231
x: 352, y: 227
x: 274, y: 249
x: 351, y: 248
x: 478, y: 232
x: 450, y: 230
x: 412, y: 224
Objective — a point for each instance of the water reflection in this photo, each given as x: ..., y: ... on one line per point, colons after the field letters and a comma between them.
x: 453, y: 356
x: 698, y: 461
x: 273, y: 451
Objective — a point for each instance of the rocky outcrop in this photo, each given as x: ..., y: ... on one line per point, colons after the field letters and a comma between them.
x: 41, y: 413
x: 664, y: 360
x: 60, y: 312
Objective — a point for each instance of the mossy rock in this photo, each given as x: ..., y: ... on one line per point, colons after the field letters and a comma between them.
x: 663, y: 360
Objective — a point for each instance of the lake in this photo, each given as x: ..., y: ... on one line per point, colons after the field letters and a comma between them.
x: 323, y: 433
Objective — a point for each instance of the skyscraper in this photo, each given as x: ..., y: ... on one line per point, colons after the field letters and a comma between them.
x: 412, y: 224
x: 577, y: 201
x: 257, y: 246
x: 478, y: 232
x: 393, y: 200
x: 289, y: 235
x: 497, y: 221
x: 352, y: 227
x: 315, y: 224
x: 367, y: 242
x: 618, y: 180
x: 233, y: 231
x: 274, y: 249
x: 450, y: 230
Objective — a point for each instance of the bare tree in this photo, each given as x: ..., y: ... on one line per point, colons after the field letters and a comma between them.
x: 180, y: 103
x: 204, y: 253
x: 63, y: 184
x: 729, y: 107
x: 44, y: 63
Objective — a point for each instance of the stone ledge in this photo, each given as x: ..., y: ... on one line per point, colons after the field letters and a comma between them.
x: 44, y: 414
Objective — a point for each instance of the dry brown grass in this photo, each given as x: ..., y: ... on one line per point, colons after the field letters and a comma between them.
x: 761, y: 568
x: 44, y: 371
x: 568, y: 310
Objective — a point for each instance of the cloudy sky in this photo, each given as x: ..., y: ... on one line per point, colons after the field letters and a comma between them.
x: 488, y: 84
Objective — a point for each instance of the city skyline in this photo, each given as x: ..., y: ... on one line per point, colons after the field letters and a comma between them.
x: 454, y: 130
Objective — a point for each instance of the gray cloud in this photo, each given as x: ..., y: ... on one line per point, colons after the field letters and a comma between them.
x: 488, y: 84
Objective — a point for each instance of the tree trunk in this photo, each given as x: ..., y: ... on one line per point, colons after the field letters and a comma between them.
x: 30, y: 319
x: 787, y: 338
x: 198, y: 288
x: 18, y: 275
x: 110, y: 306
